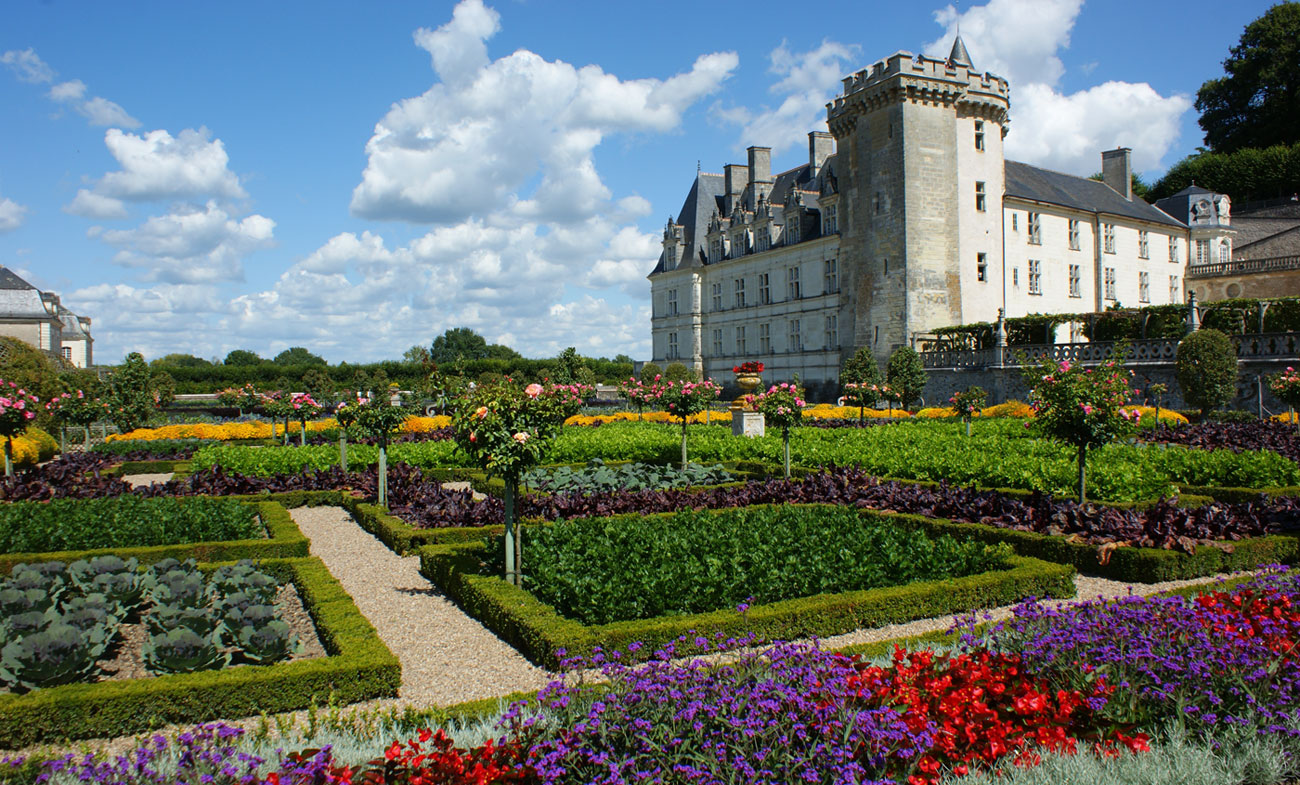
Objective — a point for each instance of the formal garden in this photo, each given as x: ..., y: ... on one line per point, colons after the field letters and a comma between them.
x: 524, y: 589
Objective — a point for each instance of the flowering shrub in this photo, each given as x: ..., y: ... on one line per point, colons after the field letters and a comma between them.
x: 750, y: 368
x: 865, y: 394
x: 304, y: 408
x: 276, y: 403
x: 638, y: 394
x: 983, y: 706
x: 782, y: 407
x: 1083, y: 407
x: 1286, y: 386
x: 77, y: 409
x: 968, y: 403
x: 568, y: 398
x: 17, y: 411
x: 244, y: 398
x: 429, y: 759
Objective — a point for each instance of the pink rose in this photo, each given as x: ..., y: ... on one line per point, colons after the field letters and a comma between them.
x: 520, y: 437
x: 481, y: 412
x: 533, y: 390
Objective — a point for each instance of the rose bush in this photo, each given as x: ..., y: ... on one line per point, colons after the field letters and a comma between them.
x: 17, y: 412
x: 782, y: 407
x: 968, y: 403
x: 683, y: 399
x: 77, y: 409
x: 1286, y: 386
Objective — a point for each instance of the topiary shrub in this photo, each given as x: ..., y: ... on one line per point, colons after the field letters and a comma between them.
x: 1206, y: 367
x: 677, y: 372
x: 906, y: 374
x: 649, y: 371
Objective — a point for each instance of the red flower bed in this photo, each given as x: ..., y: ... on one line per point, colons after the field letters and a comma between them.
x: 985, y: 707
x: 432, y: 759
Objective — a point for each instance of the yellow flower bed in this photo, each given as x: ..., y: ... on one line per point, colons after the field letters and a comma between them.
x: 1009, y: 409
x: 1166, y: 415
x: 260, y: 430
x: 1284, y: 417
x: 26, y: 452
x: 936, y: 412
x: 828, y: 412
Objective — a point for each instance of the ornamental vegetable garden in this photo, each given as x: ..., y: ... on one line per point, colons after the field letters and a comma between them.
x: 619, y: 548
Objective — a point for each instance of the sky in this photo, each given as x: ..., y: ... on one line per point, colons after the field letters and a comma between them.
x: 357, y: 178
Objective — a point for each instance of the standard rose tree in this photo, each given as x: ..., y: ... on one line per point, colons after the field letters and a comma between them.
x: 77, y: 408
x: 1286, y: 386
x: 379, y: 419
x: 506, y: 430
x: 1083, y: 407
x: 967, y: 403
x: 17, y: 411
x: 683, y: 399
x: 782, y: 407
x: 304, y: 408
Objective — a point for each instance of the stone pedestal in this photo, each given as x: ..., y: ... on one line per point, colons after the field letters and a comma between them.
x: 747, y: 423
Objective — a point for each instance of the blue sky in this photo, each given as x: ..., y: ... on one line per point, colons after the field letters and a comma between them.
x: 357, y: 178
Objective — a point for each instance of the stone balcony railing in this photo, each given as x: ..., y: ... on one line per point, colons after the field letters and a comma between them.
x: 1257, y: 346
x: 1244, y: 266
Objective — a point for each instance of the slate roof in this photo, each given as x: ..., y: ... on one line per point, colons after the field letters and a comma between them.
x: 705, y: 197
x: 72, y: 329
x: 19, y: 299
x: 8, y: 280
x: 1079, y: 193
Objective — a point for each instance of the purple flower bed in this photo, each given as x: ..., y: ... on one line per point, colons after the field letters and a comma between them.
x: 1281, y: 438
x: 1221, y: 659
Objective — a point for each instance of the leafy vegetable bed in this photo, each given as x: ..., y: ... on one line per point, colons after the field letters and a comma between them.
x: 601, y: 570
x: 597, y: 477
x: 126, y: 521
x: 63, y: 624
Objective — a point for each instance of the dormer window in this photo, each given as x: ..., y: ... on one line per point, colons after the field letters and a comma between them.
x: 830, y: 224
x: 792, y: 229
x: 670, y: 256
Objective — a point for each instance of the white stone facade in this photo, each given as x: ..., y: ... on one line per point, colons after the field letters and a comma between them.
x: 916, y: 221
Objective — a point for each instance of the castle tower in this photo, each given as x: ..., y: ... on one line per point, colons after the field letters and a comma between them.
x: 921, y: 173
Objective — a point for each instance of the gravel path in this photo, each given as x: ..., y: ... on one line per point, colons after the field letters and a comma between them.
x: 446, y: 656
x: 137, y: 480
x: 1086, y: 588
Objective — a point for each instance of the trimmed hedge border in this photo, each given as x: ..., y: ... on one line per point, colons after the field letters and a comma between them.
x: 540, y: 633
x: 1238, y: 495
x: 359, y: 667
x: 148, y: 467
x: 283, y: 540
x: 1132, y: 565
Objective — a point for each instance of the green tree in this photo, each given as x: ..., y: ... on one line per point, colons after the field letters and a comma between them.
x: 499, y: 351
x: 133, y: 392
x: 179, y: 361
x: 241, y: 357
x: 318, y: 385
x: 572, y: 368
x: 458, y: 343
x: 1257, y: 101
x: 31, y: 369
x: 1206, y: 368
x: 623, y: 359
x: 1246, y: 174
x: 906, y: 374
x: 861, y: 368
x: 416, y: 354
x: 649, y: 371
x: 298, y: 355
x: 678, y: 372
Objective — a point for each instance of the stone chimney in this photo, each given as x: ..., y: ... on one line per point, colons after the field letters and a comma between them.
x: 821, y: 145
x: 737, y: 177
x: 1117, y: 171
x: 760, y: 164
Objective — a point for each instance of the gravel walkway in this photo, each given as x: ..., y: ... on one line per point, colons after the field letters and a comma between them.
x: 1086, y: 588
x: 137, y: 480
x: 446, y: 656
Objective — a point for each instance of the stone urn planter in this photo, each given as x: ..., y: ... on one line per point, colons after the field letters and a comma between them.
x: 748, y: 383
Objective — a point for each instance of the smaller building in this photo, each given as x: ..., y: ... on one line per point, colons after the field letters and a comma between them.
x: 38, y: 318
x: 1260, y: 260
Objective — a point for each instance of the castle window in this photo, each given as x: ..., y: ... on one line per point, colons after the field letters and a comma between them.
x: 1144, y: 245
x: 765, y: 338
x: 715, y: 250
x: 1202, y: 251
x: 979, y: 195
x: 717, y: 297
x: 670, y: 257
x: 764, y: 289
x: 1144, y: 288
x: 1109, y: 290
x: 831, y: 276
x: 761, y: 240
x: 1015, y: 277
x: 1034, y: 223
x: 67, y: 353
x: 1075, y: 276
x: 1035, y: 276
x: 1173, y: 249
x: 672, y: 302
x: 886, y: 265
x: 1015, y: 222
x: 796, y: 343
x: 1175, y: 293
x: 981, y: 267
x: 792, y: 283
x: 832, y: 332
x: 740, y: 293
x: 717, y: 343
x: 792, y: 230
x: 830, y: 223
x: 1074, y: 234
x: 979, y: 134
x: 740, y: 340
x: 672, y: 346
x: 877, y: 204
x: 1108, y: 237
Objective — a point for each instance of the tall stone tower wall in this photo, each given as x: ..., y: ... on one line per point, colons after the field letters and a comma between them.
x: 902, y: 124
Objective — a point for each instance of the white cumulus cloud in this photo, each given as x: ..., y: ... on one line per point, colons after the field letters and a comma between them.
x: 29, y: 67
x: 156, y: 165
x: 806, y: 82
x: 472, y: 141
x: 89, y: 204
x: 1020, y: 40
x: 11, y: 215
x: 191, y: 245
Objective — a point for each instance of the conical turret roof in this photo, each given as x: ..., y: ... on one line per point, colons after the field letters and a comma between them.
x: 959, y: 55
